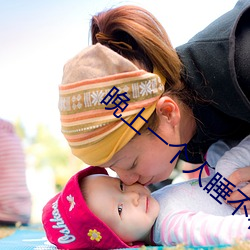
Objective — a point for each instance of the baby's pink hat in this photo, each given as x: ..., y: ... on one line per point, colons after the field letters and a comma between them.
x: 69, y: 223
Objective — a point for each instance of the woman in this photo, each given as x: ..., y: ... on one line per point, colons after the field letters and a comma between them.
x: 206, y: 95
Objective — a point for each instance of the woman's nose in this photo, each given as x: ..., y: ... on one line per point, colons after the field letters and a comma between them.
x: 126, y: 177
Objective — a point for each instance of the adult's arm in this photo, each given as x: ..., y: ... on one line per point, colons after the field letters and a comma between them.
x: 236, y: 158
x: 233, y: 163
x: 235, y: 166
x: 239, y: 176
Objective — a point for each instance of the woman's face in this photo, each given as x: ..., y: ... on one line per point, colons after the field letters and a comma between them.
x: 149, y: 159
x: 145, y: 159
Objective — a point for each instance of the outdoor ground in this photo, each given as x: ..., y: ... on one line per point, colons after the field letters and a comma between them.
x: 33, y: 237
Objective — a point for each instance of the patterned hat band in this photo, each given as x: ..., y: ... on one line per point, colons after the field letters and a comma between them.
x: 95, y: 109
x: 83, y: 113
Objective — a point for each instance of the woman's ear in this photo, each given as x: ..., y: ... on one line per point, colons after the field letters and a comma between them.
x: 168, y: 110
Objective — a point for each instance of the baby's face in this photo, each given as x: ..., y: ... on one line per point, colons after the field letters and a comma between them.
x: 130, y: 211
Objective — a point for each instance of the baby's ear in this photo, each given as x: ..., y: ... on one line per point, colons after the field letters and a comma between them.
x: 168, y: 110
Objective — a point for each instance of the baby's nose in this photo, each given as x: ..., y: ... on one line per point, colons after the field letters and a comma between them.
x: 133, y: 198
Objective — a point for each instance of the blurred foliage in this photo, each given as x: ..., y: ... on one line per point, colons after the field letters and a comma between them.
x: 45, y: 150
x: 20, y: 130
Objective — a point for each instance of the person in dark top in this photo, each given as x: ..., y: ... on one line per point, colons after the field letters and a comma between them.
x: 174, y: 100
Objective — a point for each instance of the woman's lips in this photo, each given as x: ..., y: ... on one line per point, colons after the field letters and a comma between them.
x: 148, y: 182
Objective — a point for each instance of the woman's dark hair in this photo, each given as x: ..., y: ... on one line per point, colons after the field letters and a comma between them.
x: 137, y: 35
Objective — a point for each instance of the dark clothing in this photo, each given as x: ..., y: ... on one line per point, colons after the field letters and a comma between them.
x: 217, y: 68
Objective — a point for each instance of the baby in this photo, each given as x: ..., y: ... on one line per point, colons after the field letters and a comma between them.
x: 96, y: 211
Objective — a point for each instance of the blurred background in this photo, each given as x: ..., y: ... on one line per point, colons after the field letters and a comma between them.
x: 36, y: 40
